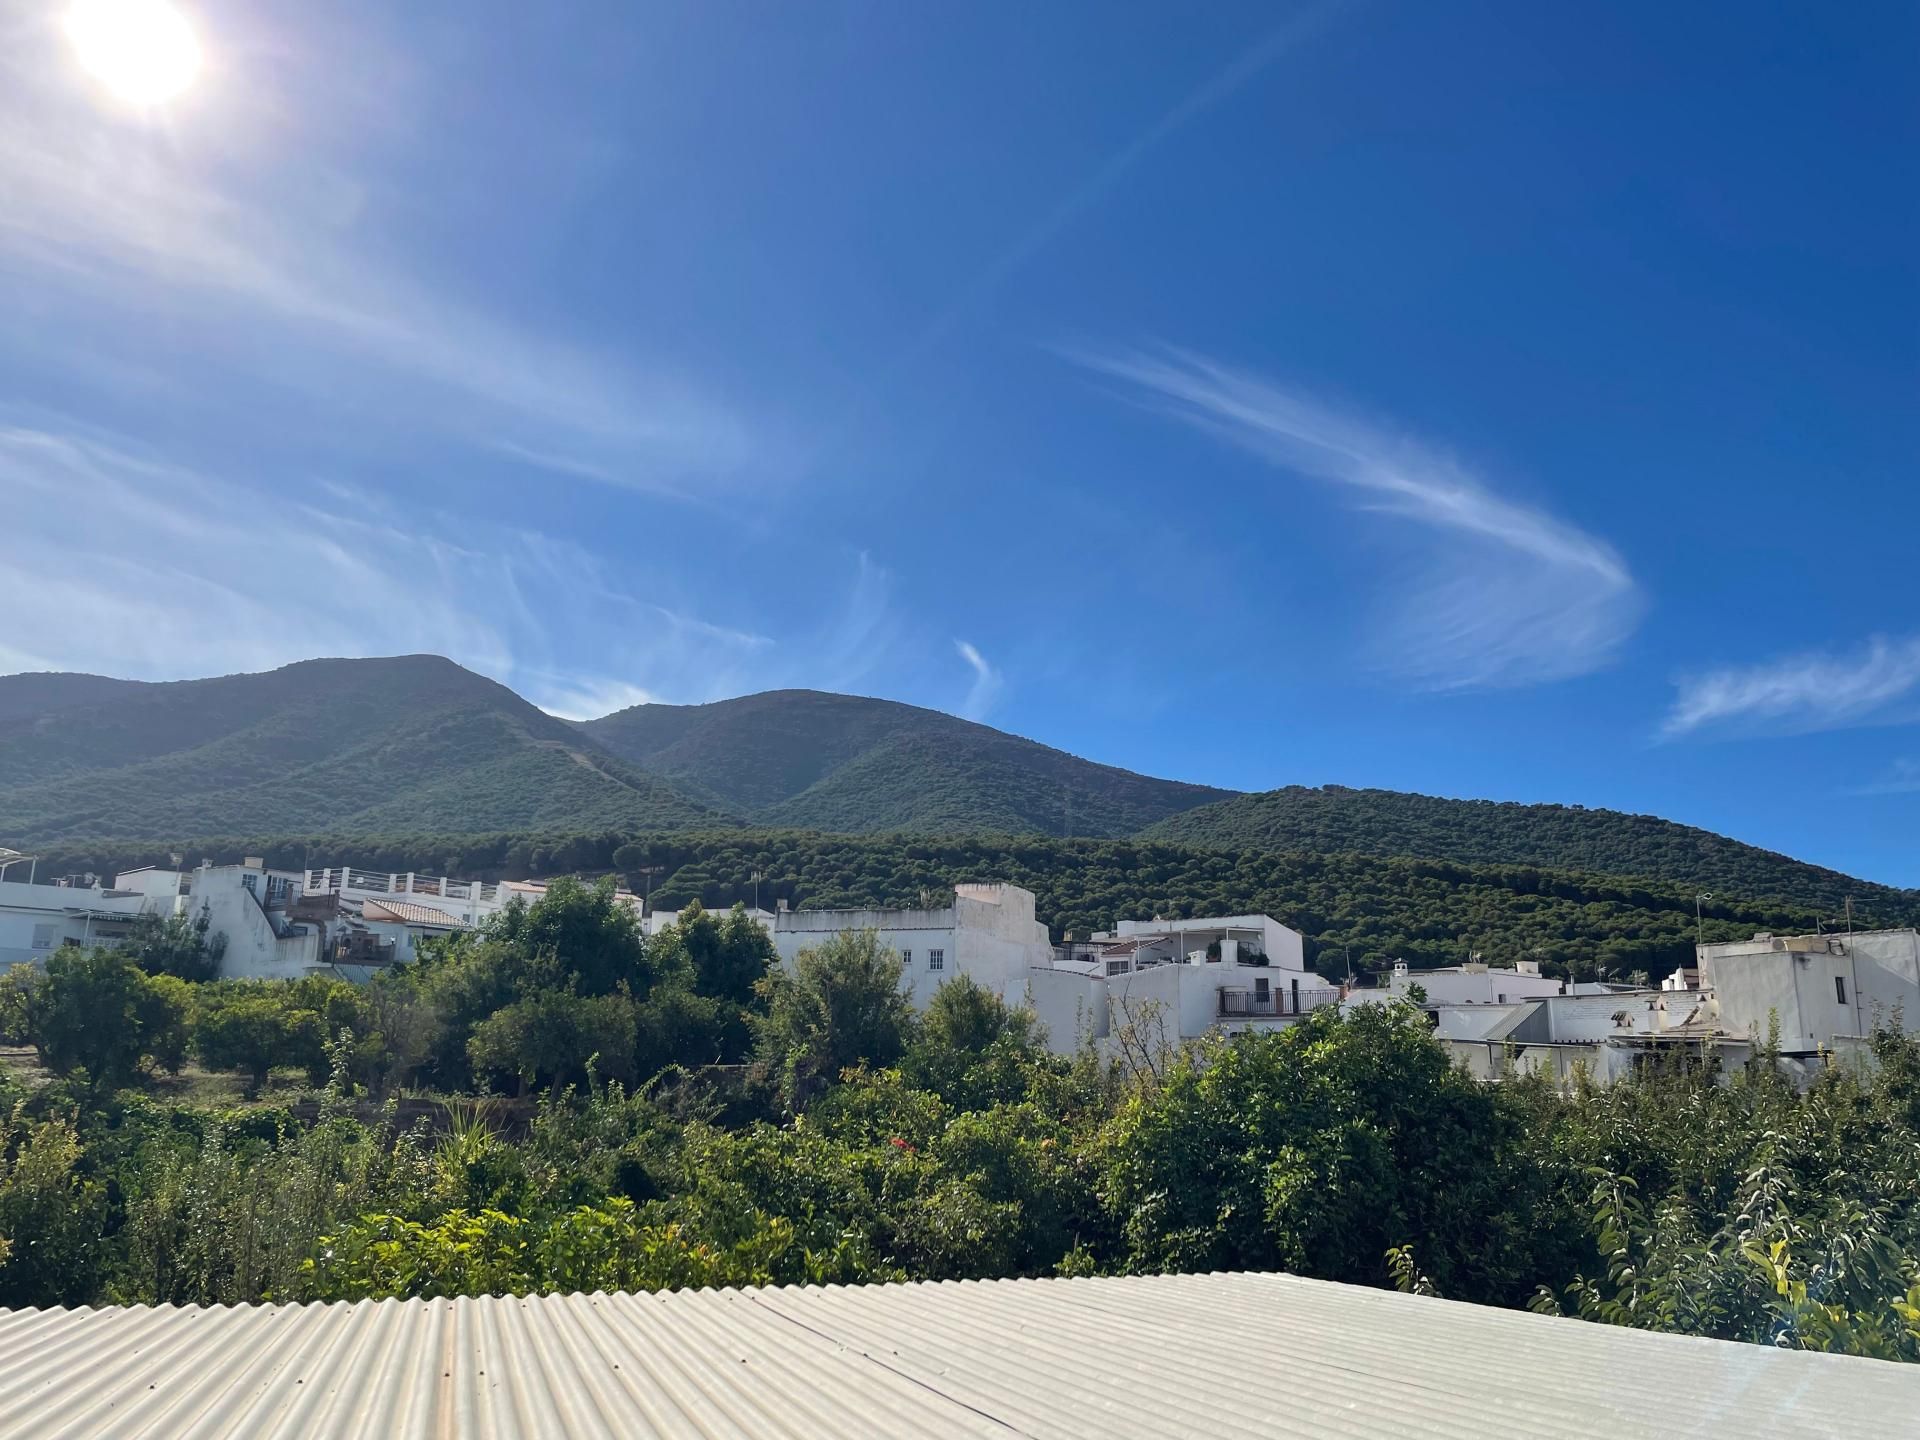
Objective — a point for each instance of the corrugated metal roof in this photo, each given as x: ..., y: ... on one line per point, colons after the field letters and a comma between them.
x: 1211, y: 1355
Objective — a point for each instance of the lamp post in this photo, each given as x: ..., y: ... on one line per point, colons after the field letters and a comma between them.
x: 756, y: 877
x: 1699, y: 923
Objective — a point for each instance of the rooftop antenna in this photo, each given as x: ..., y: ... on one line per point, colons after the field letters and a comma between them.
x: 757, y: 877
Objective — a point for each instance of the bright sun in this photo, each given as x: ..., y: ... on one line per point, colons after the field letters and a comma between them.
x: 142, y: 50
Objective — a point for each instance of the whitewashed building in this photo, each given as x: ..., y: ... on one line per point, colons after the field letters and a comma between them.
x: 1826, y: 992
x: 36, y: 920
x: 1470, y: 984
x: 1168, y: 981
x: 988, y: 933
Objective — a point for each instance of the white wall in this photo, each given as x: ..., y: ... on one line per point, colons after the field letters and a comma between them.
x: 47, y: 913
x: 1069, y: 1005
x: 1283, y: 947
x: 989, y: 933
x: 1753, y: 981
x: 253, y: 951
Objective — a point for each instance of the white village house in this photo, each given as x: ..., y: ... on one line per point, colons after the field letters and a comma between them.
x: 1820, y: 996
x: 1179, y: 979
x: 1176, y: 980
x: 275, y: 924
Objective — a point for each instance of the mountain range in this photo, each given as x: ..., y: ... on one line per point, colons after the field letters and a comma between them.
x: 416, y: 744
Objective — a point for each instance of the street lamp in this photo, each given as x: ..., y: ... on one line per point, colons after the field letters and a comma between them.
x: 756, y: 877
x: 1700, y: 924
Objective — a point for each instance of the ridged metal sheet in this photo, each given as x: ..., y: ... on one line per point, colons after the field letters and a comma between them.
x: 1203, y: 1355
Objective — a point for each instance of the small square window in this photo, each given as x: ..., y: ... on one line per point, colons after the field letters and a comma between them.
x: 1840, y: 988
x: 936, y: 959
x: 43, y: 937
x: 906, y: 959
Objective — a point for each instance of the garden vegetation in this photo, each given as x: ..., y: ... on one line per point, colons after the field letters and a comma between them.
x: 556, y: 1103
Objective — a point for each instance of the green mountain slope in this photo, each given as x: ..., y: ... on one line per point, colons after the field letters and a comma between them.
x: 806, y: 759
x: 376, y: 751
x: 35, y: 694
x: 1571, y: 837
x: 373, y: 746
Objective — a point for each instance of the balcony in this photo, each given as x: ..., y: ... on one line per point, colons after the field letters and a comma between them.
x: 1278, y: 1003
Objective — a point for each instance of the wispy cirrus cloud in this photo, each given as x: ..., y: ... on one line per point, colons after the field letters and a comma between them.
x: 1509, y: 595
x: 986, y: 681
x: 189, y: 573
x: 1796, y: 694
x: 1902, y: 777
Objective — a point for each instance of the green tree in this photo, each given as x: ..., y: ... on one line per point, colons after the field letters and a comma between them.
x: 723, y: 957
x: 839, y: 1005
x: 51, y: 1216
x: 255, y: 1026
x: 1319, y: 1148
x: 971, y: 1047
x: 163, y: 1012
x: 554, y: 1036
x: 580, y: 933
x: 176, y: 945
x: 90, y: 1010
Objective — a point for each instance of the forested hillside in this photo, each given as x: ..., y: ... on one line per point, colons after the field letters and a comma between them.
x: 1428, y: 912
x: 363, y: 746
x: 1569, y: 837
x: 361, y: 751
x: 808, y: 759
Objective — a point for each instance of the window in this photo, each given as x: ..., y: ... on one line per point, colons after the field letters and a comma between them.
x: 906, y: 959
x: 1840, y: 988
x: 936, y: 959
x: 43, y: 937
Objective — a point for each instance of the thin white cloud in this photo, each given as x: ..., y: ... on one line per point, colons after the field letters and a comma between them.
x: 1508, y: 595
x: 986, y: 682
x: 588, y: 697
x: 1902, y: 777
x: 116, y: 562
x: 1796, y: 694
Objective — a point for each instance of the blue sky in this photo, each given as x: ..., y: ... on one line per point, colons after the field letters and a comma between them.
x: 1493, y: 400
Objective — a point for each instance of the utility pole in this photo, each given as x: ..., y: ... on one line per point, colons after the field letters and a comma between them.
x: 646, y: 874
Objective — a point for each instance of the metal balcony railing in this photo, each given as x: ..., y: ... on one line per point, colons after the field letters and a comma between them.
x: 1279, y: 1002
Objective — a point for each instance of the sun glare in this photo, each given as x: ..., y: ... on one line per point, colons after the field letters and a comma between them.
x: 142, y: 50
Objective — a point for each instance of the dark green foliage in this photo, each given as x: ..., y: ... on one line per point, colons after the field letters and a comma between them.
x: 1484, y: 832
x: 1341, y: 1147
x: 91, y: 1012
x: 728, y: 955
x: 840, y: 1005
x: 175, y: 945
x: 252, y: 1026
x: 845, y: 763
x: 557, y: 1037
x: 1318, y: 1149
x: 361, y: 745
